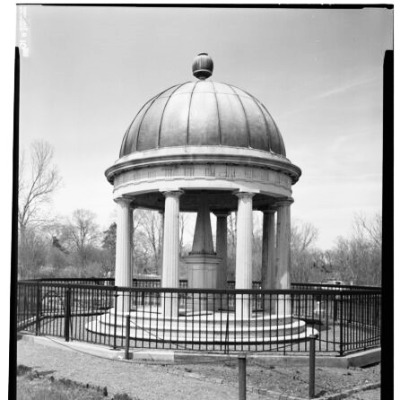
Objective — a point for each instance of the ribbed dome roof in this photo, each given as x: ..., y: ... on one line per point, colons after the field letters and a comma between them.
x: 203, y: 113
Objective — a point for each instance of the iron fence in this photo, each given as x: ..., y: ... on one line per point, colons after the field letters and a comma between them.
x: 78, y: 281
x: 326, y: 286
x: 155, y: 282
x: 211, y: 320
x: 136, y: 282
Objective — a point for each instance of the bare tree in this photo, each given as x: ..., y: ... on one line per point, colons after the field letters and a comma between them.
x: 32, y: 253
x: 303, y: 235
x: 82, y: 229
x: 37, y: 181
x: 231, y: 221
x: 137, y: 256
x: 306, y: 261
x: 358, y: 258
x: 369, y: 230
x: 231, y: 261
x: 183, y: 227
x: 149, y: 232
x: 36, y: 186
x: 81, y: 235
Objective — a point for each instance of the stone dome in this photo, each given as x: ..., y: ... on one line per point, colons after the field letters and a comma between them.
x: 203, y: 136
x: 203, y: 113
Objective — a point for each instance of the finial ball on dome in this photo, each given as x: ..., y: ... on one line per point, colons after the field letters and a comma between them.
x: 203, y: 66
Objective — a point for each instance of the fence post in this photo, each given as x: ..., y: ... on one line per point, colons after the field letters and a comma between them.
x: 67, y: 313
x: 311, y: 387
x: 341, y: 325
x: 38, y: 309
x: 242, y: 376
x: 115, y: 319
x: 127, y: 336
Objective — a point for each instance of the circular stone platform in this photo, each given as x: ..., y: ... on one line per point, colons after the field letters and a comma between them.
x: 212, y: 328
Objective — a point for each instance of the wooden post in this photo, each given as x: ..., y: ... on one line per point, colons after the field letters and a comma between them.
x: 242, y: 377
x: 127, y: 336
x: 311, y: 387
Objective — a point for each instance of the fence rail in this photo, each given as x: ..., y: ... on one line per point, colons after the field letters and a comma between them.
x: 317, y: 286
x: 213, y: 320
x: 183, y: 283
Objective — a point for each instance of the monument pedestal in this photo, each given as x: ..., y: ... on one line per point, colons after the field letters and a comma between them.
x: 202, y: 274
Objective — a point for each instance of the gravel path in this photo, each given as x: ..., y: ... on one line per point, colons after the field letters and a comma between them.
x: 366, y: 395
x: 200, y: 381
x: 146, y: 382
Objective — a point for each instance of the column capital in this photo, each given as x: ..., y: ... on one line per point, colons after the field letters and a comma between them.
x: 221, y: 213
x: 124, y: 201
x: 284, y: 202
x: 269, y: 210
x: 244, y: 195
x: 172, y: 193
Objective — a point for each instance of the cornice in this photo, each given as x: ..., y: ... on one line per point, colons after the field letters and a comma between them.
x: 200, y: 155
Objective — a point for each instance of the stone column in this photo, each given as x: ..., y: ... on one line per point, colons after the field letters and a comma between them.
x: 123, y: 258
x: 244, y: 253
x: 222, y: 248
x: 222, y: 253
x: 283, y: 253
x: 268, y: 266
x: 161, y: 243
x: 170, y: 272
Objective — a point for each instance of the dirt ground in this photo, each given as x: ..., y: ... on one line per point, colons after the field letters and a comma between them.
x: 292, y: 381
x: 202, y: 381
x: 367, y: 395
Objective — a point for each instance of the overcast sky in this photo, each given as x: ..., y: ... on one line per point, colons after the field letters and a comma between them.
x: 88, y: 70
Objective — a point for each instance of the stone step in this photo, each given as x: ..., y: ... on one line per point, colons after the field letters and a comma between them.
x: 201, y: 328
x: 204, y: 337
x: 216, y: 326
x: 147, y: 313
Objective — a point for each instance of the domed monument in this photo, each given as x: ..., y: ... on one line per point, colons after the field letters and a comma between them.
x: 206, y: 147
